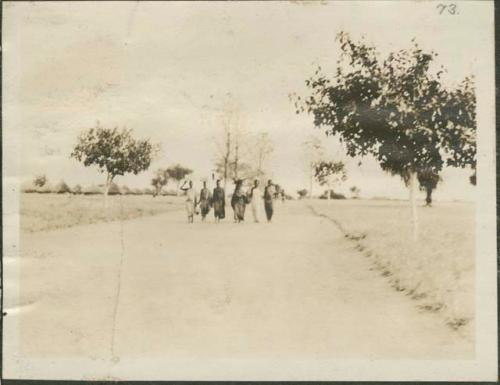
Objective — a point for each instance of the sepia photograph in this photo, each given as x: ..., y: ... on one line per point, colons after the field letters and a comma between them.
x: 249, y: 190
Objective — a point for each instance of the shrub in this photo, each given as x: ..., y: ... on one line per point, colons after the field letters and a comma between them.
x: 333, y: 195
x: 77, y: 189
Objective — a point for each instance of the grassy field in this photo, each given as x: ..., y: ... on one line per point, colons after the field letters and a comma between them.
x: 40, y: 212
x: 437, y: 270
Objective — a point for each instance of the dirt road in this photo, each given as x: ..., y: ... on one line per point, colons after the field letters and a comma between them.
x: 159, y: 287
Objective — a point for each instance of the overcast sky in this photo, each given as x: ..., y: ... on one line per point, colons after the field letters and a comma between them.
x: 166, y: 69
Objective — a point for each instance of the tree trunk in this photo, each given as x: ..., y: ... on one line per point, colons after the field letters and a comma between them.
x: 413, y: 203
x: 428, y: 198
x: 177, y: 188
x: 109, y: 180
x: 311, y: 181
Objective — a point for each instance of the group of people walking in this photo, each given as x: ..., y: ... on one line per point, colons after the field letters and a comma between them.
x: 203, y: 202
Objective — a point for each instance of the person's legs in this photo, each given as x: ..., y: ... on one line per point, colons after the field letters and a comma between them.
x: 269, y: 210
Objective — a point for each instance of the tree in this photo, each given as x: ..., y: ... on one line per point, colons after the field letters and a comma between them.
x: 302, y: 193
x: 330, y: 173
x: 355, y: 192
x: 40, y: 180
x: 395, y: 109
x: 159, y: 181
x: 178, y: 173
x: 114, y: 152
x: 263, y: 149
x: 428, y: 181
x: 313, y: 152
x: 77, y: 189
x: 231, y: 160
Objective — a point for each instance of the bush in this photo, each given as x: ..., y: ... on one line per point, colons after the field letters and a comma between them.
x: 77, y: 189
x: 302, y: 193
x: 333, y: 195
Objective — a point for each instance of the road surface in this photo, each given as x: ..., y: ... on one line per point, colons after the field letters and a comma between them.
x: 160, y: 287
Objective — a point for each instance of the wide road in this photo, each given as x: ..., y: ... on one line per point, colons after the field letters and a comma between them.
x: 160, y: 288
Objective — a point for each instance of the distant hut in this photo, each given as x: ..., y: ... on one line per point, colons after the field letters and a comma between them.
x: 114, y: 189
x: 91, y: 190
x: 62, y: 188
x: 126, y: 190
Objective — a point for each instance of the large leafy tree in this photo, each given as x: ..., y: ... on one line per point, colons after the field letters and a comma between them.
x: 396, y: 109
x: 114, y: 152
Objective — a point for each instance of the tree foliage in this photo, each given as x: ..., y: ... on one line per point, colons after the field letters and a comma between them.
x: 113, y: 151
x: 302, y: 193
x: 178, y: 172
x: 159, y: 180
x: 428, y: 181
x: 394, y: 108
x: 330, y: 173
x: 39, y: 180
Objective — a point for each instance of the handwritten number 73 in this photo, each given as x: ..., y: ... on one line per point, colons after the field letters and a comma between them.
x: 451, y: 9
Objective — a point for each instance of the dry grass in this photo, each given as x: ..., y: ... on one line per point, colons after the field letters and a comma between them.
x: 437, y: 270
x: 40, y: 212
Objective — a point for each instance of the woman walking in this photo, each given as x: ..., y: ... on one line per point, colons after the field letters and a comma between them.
x: 238, y: 202
x: 256, y: 201
x: 205, y: 201
x: 268, y: 200
x: 190, y: 200
x: 219, y: 202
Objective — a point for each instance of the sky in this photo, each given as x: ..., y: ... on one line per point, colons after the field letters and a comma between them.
x: 166, y: 69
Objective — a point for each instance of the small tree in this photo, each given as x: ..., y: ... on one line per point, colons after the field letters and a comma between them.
x: 159, y: 181
x: 40, y: 180
x: 355, y: 192
x: 115, y: 152
x: 302, y: 193
x: 330, y: 174
x: 397, y: 110
x: 313, y: 152
x: 178, y: 173
x: 77, y: 189
x: 263, y: 149
x: 428, y: 181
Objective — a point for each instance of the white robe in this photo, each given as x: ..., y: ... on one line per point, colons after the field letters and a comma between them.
x: 256, y: 204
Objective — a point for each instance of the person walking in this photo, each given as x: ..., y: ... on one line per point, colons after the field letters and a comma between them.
x: 190, y: 200
x: 268, y: 200
x: 205, y: 201
x: 219, y: 202
x: 256, y: 201
x: 238, y: 202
